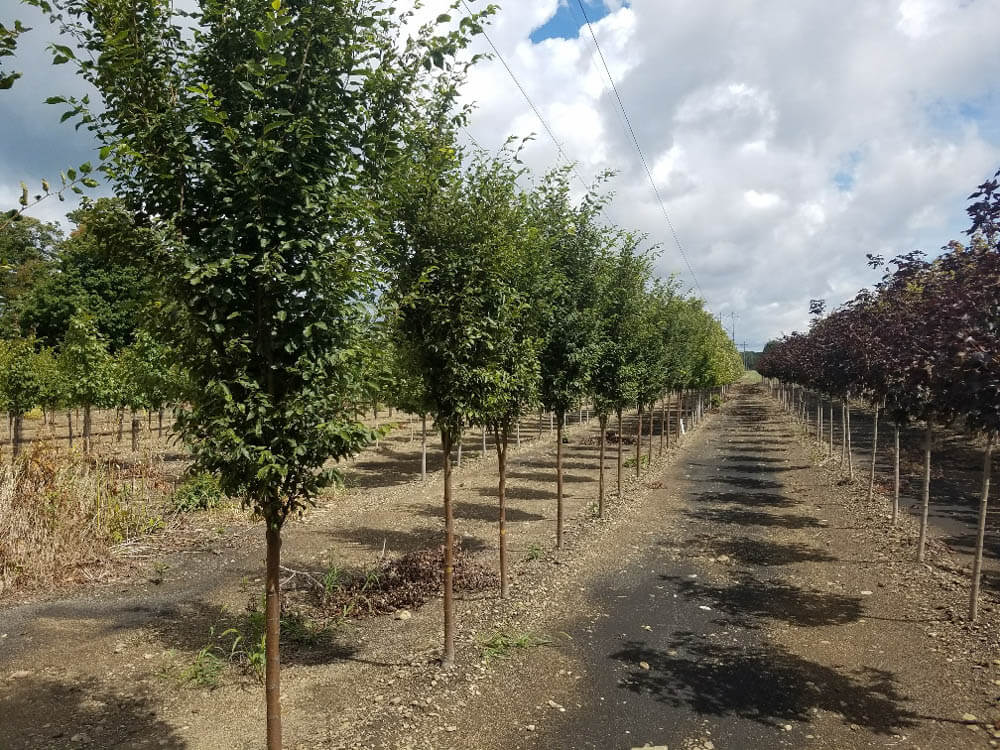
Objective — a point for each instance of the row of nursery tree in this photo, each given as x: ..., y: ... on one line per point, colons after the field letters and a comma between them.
x: 314, y: 237
x: 920, y: 347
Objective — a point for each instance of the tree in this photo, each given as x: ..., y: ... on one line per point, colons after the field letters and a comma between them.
x: 103, y: 269
x: 250, y: 137
x: 27, y: 248
x: 464, y: 256
x: 615, y: 379
x: 85, y: 366
x: 20, y: 385
x: 578, y: 247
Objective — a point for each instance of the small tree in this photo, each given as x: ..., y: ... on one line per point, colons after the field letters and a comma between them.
x: 20, y: 385
x: 84, y: 362
x: 578, y: 247
x: 615, y: 379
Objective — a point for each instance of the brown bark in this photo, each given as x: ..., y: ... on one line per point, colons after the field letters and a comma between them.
x: 448, y: 656
x: 619, y: 452
x: 135, y: 431
x: 423, y: 447
x: 86, y: 429
x: 559, y: 483
x: 926, y: 499
x: 649, y: 438
x: 603, y: 421
x: 17, y: 436
x: 663, y: 423
x: 895, y: 487
x: 69, y: 421
x: 871, y: 476
x: 666, y: 427
x: 850, y: 450
x: 272, y: 657
x: 119, y: 424
x: 159, y: 427
x: 638, y: 441
x: 977, y: 566
x: 501, y: 439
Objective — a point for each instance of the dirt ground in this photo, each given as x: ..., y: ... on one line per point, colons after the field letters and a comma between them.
x: 783, y: 555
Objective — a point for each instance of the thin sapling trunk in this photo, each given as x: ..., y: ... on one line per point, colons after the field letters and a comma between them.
x: 559, y: 483
x: 448, y: 656
x: 638, y: 442
x: 871, y: 476
x: 423, y: 447
x: 984, y: 497
x: 620, y: 461
x: 895, y: 483
x: 926, y: 498
x: 501, y: 439
x: 603, y: 421
x: 272, y: 635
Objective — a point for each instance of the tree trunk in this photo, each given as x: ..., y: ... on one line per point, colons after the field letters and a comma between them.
x: 649, y: 437
x: 135, y: 431
x: 501, y: 439
x: 602, y: 419
x: 619, y: 412
x: 517, y: 429
x: 850, y: 450
x: 926, y: 499
x: 448, y: 656
x: 423, y: 447
x: 375, y: 423
x: 550, y: 424
x: 458, y: 462
x: 638, y: 441
x: 843, y: 432
x: 484, y: 442
x: 895, y: 486
x: 871, y: 476
x: 69, y: 421
x: 120, y: 425
x: 831, y: 428
x: 559, y: 483
x: 272, y: 655
x: 18, y: 434
x: 666, y: 423
x: 159, y: 426
x: 540, y: 424
x: 984, y: 497
x: 663, y: 423
x: 86, y: 429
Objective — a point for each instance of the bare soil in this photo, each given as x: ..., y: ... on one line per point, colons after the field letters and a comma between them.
x: 806, y: 624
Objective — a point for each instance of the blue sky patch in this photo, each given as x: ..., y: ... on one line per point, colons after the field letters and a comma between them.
x: 568, y: 20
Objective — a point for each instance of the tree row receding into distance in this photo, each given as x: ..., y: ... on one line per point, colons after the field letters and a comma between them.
x: 314, y: 238
x: 921, y: 348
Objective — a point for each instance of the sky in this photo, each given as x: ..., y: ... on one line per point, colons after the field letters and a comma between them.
x: 785, y: 140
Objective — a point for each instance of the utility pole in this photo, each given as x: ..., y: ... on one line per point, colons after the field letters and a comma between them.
x: 732, y: 317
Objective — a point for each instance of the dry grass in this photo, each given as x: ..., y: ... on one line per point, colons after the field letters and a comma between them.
x: 60, y: 516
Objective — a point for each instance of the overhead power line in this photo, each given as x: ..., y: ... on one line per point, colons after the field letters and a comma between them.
x: 638, y: 148
x: 527, y: 98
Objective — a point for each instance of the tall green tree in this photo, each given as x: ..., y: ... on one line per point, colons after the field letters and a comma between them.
x: 85, y: 366
x: 251, y: 136
x: 103, y: 269
x: 20, y: 385
x: 578, y: 247
x: 464, y: 260
x: 615, y: 380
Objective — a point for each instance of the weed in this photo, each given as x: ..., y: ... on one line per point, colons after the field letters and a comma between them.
x: 630, y: 462
x: 199, y: 491
x: 206, y: 668
x: 159, y: 568
x: 333, y: 579
x: 500, y: 644
x: 534, y: 552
